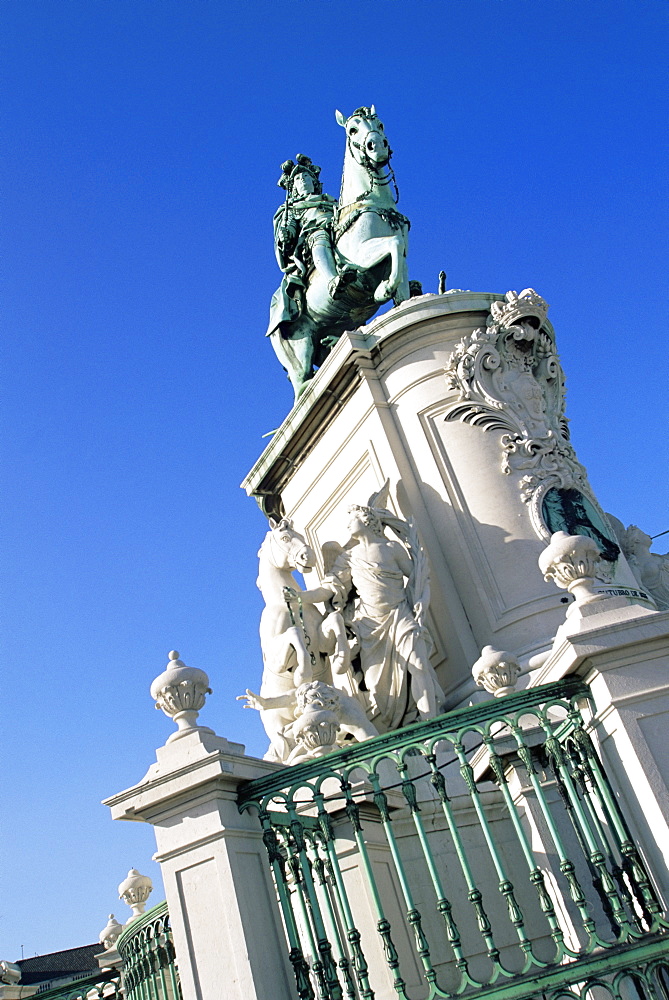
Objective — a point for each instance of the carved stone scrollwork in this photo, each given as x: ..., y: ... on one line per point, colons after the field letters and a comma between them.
x: 509, y: 378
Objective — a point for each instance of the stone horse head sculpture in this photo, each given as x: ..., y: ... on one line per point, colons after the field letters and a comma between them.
x: 341, y: 260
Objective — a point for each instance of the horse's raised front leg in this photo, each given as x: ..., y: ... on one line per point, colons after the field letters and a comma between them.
x: 278, y: 655
x: 373, y: 251
x: 396, y: 286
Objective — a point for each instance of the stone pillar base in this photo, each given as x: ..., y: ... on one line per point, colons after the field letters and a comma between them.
x: 227, y: 930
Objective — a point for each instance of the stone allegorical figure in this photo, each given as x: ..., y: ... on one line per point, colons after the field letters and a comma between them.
x: 306, y: 658
x: 303, y: 237
x: 650, y: 568
x: 381, y: 586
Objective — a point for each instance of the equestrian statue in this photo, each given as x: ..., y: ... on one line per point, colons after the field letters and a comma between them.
x: 340, y: 260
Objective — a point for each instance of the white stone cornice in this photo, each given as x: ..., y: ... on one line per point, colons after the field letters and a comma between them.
x: 618, y: 634
x: 196, y: 764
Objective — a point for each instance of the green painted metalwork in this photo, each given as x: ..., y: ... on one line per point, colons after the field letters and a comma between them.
x: 147, y: 951
x: 513, y: 870
x: 100, y: 986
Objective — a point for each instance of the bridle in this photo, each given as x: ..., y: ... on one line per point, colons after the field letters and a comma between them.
x: 285, y: 549
x: 365, y: 161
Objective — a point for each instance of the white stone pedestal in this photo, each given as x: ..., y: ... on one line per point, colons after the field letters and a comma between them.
x: 378, y: 409
x: 227, y: 930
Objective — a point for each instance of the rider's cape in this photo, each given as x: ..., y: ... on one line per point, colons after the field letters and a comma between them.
x: 286, y: 304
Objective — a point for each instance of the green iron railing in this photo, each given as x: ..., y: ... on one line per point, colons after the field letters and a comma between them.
x: 100, y: 986
x: 483, y: 852
x: 147, y: 951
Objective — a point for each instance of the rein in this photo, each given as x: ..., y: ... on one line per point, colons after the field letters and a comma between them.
x: 307, y: 640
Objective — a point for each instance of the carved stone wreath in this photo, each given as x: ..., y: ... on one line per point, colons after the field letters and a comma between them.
x: 509, y: 378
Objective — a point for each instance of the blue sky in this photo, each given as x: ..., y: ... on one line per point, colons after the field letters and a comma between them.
x: 143, y: 143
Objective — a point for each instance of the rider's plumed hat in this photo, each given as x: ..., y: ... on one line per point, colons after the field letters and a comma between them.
x: 304, y: 165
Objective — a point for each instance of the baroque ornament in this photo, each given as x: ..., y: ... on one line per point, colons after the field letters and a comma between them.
x: 362, y: 667
x: 574, y: 563
x: 111, y: 933
x: 650, y: 568
x: 180, y: 692
x: 306, y: 656
x: 135, y: 890
x: 496, y: 671
x: 509, y: 378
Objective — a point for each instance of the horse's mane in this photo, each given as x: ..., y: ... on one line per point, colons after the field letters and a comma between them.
x: 364, y: 113
x: 261, y: 551
x: 264, y: 543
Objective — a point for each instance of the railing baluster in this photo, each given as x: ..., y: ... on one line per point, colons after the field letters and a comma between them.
x: 474, y: 894
x: 352, y: 932
x: 153, y: 960
x: 536, y: 876
x: 506, y: 887
x: 176, y: 993
x: 331, y: 985
x: 557, y: 757
x: 278, y: 866
x: 320, y: 866
x: 413, y: 914
x: 383, y: 924
x: 444, y: 906
x: 632, y: 862
x: 315, y: 965
x: 147, y: 951
x: 566, y: 864
x: 164, y: 995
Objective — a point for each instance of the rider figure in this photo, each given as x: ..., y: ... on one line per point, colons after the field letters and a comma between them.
x: 303, y: 239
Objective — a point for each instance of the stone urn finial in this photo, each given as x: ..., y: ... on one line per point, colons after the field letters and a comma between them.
x: 180, y: 692
x: 135, y: 890
x: 496, y: 671
x: 111, y: 933
x: 575, y: 564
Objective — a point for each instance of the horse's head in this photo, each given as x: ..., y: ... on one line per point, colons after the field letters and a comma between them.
x: 365, y: 137
x: 286, y: 548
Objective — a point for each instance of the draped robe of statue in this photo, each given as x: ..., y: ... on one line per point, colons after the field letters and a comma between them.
x: 399, y: 677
